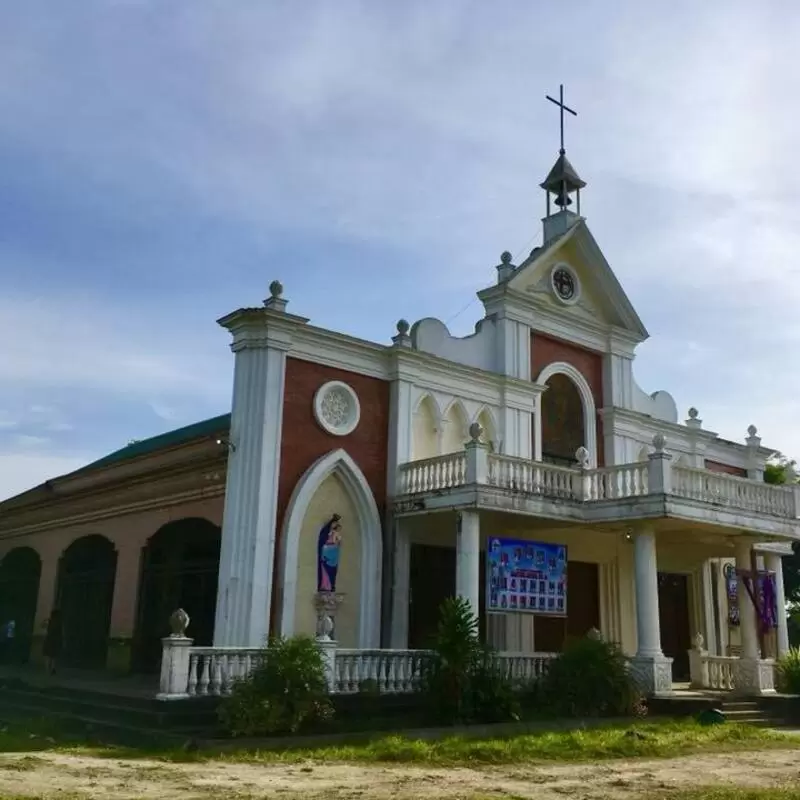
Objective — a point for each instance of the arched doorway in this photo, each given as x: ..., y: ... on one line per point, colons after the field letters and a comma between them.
x: 85, y: 593
x: 563, y: 425
x: 20, y: 571
x: 180, y: 567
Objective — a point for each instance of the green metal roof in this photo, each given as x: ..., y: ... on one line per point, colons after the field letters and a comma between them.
x: 169, y: 439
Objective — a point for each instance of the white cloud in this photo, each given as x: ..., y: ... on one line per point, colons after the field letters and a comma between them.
x: 21, y: 470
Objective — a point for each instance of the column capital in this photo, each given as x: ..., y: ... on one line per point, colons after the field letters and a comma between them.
x: 264, y: 328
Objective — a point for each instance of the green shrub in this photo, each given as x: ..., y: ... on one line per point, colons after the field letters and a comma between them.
x: 462, y: 682
x: 285, y: 692
x: 590, y: 679
x: 788, y: 672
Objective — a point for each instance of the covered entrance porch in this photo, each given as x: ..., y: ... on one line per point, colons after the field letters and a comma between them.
x: 656, y: 588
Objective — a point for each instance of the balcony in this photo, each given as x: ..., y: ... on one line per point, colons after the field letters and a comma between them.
x: 645, y: 490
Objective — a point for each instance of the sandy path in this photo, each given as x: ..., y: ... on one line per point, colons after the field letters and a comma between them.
x: 52, y: 775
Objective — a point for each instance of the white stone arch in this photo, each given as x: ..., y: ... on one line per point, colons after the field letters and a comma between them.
x: 455, y: 427
x: 587, y: 401
x: 370, y: 535
x: 486, y: 419
x: 425, y: 444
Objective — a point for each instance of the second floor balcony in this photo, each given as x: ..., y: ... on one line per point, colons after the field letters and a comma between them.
x: 649, y: 489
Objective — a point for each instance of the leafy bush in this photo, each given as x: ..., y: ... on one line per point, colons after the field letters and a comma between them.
x: 590, y: 679
x: 788, y: 672
x: 462, y: 680
x: 286, y: 691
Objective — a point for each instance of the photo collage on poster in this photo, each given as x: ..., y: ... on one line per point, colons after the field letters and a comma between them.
x: 526, y: 577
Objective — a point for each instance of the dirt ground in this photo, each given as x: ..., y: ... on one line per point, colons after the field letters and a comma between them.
x: 59, y: 775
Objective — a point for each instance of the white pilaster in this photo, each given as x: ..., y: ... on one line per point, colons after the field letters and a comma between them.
x: 710, y: 634
x: 774, y: 563
x: 401, y: 585
x: 747, y: 613
x: 246, y: 569
x: 652, y: 670
x: 468, y: 545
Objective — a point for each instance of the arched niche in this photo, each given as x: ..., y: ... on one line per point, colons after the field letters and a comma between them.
x: 333, y: 485
x: 565, y: 416
x: 455, y: 433
x: 86, y: 576
x: 20, y: 573
x: 180, y: 567
x: 425, y: 429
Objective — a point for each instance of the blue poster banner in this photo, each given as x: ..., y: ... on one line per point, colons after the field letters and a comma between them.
x: 526, y: 577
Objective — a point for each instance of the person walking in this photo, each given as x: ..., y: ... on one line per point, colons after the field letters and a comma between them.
x: 52, y: 641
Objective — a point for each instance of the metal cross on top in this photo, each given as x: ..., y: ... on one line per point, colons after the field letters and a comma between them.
x: 562, y: 108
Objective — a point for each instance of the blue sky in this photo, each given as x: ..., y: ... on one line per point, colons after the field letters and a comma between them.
x: 162, y: 162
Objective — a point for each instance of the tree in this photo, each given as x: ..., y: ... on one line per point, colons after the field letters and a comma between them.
x: 781, y: 470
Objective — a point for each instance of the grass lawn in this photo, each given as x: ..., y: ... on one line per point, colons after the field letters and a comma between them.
x: 644, y: 739
x: 641, y: 761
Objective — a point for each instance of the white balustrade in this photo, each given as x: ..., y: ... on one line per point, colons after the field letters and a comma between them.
x: 617, y: 482
x: 390, y: 671
x: 213, y: 670
x: 430, y: 474
x: 524, y: 666
x: 719, y: 672
x: 533, y: 477
x: 732, y: 491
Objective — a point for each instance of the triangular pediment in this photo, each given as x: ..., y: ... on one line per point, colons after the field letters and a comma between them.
x: 598, y: 297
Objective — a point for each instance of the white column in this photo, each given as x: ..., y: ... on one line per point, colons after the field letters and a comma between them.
x: 468, y: 548
x: 246, y: 569
x: 648, y: 628
x: 747, y: 612
x: 652, y: 671
x: 775, y: 564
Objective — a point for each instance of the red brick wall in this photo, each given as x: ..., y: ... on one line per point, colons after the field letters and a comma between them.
x: 716, y: 466
x: 303, y: 441
x: 546, y: 350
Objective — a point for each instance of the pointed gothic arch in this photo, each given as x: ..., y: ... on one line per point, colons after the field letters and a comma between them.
x: 456, y: 427
x: 426, y: 425
x: 370, y: 537
x: 587, y: 403
x: 485, y: 418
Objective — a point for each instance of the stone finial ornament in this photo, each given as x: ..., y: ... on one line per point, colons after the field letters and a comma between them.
x: 402, y: 339
x: 659, y: 442
x: 752, y: 430
x: 582, y: 457
x: 505, y: 269
x: 475, y: 431
x: 178, y: 623
x: 595, y: 634
x: 276, y: 301
x: 693, y: 412
x: 699, y: 641
x: 505, y: 257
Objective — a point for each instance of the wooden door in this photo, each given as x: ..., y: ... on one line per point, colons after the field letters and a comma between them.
x: 673, y: 615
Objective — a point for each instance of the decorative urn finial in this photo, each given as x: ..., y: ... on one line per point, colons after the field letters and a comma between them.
x: 178, y: 623
x: 475, y: 431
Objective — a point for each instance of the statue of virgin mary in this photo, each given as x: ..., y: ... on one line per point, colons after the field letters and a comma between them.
x: 328, y: 546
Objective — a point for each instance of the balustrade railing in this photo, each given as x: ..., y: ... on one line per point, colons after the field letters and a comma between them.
x: 719, y: 672
x: 390, y: 671
x: 213, y: 671
x: 524, y: 666
x: 532, y: 477
x: 731, y: 490
x: 430, y: 474
x: 617, y: 482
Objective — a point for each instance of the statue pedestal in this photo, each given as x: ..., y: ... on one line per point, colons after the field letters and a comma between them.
x: 326, y: 605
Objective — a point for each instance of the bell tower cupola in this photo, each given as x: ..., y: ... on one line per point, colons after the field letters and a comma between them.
x: 560, y: 184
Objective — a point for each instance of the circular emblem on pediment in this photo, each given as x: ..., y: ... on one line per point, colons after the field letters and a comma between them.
x: 566, y: 286
x: 336, y: 408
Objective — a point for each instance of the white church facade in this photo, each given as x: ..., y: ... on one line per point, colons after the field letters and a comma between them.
x: 357, y: 484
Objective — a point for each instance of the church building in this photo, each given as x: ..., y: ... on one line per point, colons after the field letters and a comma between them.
x: 357, y: 484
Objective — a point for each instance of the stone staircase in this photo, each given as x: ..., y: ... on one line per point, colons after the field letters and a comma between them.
x: 751, y: 712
